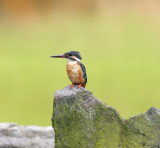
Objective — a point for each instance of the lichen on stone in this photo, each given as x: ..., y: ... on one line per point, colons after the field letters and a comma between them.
x: 82, y: 121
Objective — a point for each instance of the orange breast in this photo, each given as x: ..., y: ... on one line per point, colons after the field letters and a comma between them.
x: 75, y: 73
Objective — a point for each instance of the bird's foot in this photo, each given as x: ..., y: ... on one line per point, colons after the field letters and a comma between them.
x: 79, y: 85
x: 71, y: 85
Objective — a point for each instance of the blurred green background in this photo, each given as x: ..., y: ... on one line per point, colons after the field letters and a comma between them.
x: 119, y: 43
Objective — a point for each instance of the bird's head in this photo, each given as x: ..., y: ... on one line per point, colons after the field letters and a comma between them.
x: 71, y: 55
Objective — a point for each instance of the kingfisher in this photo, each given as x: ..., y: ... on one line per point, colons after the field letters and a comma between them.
x: 75, y: 69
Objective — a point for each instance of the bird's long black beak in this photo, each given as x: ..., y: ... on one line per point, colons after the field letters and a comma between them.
x: 58, y: 56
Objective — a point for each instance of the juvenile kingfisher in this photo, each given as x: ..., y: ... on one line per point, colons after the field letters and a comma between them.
x: 75, y: 69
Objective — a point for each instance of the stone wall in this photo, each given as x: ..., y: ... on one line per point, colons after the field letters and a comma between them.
x: 81, y: 120
x: 14, y: 136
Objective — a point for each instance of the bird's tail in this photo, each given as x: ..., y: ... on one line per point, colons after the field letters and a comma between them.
x: 83, y: 85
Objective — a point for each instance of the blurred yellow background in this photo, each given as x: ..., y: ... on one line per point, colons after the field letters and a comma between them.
x: 119, y: 42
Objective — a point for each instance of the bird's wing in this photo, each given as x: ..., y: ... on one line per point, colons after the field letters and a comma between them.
x: 84, y: 72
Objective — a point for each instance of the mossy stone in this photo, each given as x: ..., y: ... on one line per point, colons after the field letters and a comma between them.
x: 82, y: 121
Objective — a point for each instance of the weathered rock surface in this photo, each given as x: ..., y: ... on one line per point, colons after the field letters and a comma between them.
x: 14, y: 136
x: 80, y: 120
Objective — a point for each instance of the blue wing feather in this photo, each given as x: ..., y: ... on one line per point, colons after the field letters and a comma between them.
x: 84, y: 72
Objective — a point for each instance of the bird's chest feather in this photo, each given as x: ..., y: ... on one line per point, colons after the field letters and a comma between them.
x: 74, y: 72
